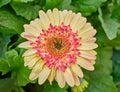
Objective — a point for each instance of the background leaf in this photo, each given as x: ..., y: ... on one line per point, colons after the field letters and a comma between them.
x: 28, y: 11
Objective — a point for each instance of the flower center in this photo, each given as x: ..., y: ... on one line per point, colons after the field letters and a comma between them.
x: 57, y: 43
x: 58, y: 46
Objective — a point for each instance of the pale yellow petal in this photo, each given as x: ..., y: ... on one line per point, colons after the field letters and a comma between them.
x: 52, y: 75
x: 87, y: 55
x: 68, y: 18
x: 43, y: 75
x: 91, y: 40
x: 87, y: 27
x: 69, y: 77
x: 32, y: 62
x: 75, y: 21
x: 36, y: 70
x: 50, y: 16
x: 76, y: 79
x: 36, y: 24
x: 63, y: 15
x: 28, y: 36
x: 77, y: 70
x: 29, y: 52
x: 28, y: 58
x: 79, y: 24
x: 60, y: 78
x: 85, y: 63
x: 88, y: 46
x: 44, y: 19
x: 32, y: 30
x: 56, y: 15
x: 25, y: 45
x: 88, y: 34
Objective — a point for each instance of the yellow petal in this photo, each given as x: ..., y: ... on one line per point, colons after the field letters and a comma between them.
x: 76, y: 79
x: 28, y: 36
x: 60, y: 78
x: 43, y: 75
x: 36, y: 24
x: 33, y: 62
x: 63, y: 15
x: 50, y: 16
x: 77, y: 70
x: 79, y: 24
x: 85, y: 63
x: 29, y: 52
x: 30, y: 29
x: 36, y: 70
x: 87, y: 55
x: 28, y: 58
x: 25, y: 45
x: 52, y: 75
x: 56, y: 15
x: 88, y: 34
x: 87, y: 27
x: 69, y: 77
x: 88, y: 46
x: 68, y: 18
x: 91, y: 40
x: 44, y: 19
x: 75, y: 21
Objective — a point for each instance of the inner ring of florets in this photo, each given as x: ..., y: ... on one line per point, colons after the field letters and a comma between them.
x: 58, y: 46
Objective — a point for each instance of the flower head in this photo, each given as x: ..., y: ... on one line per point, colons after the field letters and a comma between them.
x: 59, y: 44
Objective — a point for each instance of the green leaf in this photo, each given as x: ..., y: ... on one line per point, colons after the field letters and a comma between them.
x: 116, y: 66
x: 86, y: 7
x: 4, y: 68
x: 28, y: 11
x: 15, y: 65
x: 25, y: 1
x: 4, y: 2
x: 53, y: 88
x: 6, y: 85
x: 50, y: 4
x: 110, y: 26
x: 9, y: 20
x: 4, y: 40
x: 100, y: 79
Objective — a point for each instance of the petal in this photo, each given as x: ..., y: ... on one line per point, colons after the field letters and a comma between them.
x: 32, y: 30
x: 44, y: 19
x: 43, y: 75
x: 91, y: 40
x: 85, y: 29
x: 87, y: 34
x: 32, y: 62
x: 50, y: 16
x: 76, y: 79
x: 75, y: 21
x: 60, y: 78
x: 80, y: 23
x: 28, y: 36
x: 36, y: 70
x: 77, y: 70
x: 69, y: 77
x: 36, y: 24
x: 68, y: 18
x: 52, y: 75
x: 28, y: 58
x: 63, y: 15
x: 25, y: 45
x: 88, y: 46
x: 29, y: 52
x: 85, y: 63
x: 56, y: 15
x: 87, y: 55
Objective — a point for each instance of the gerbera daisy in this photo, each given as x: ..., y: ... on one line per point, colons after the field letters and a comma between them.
x: 59, y: 44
